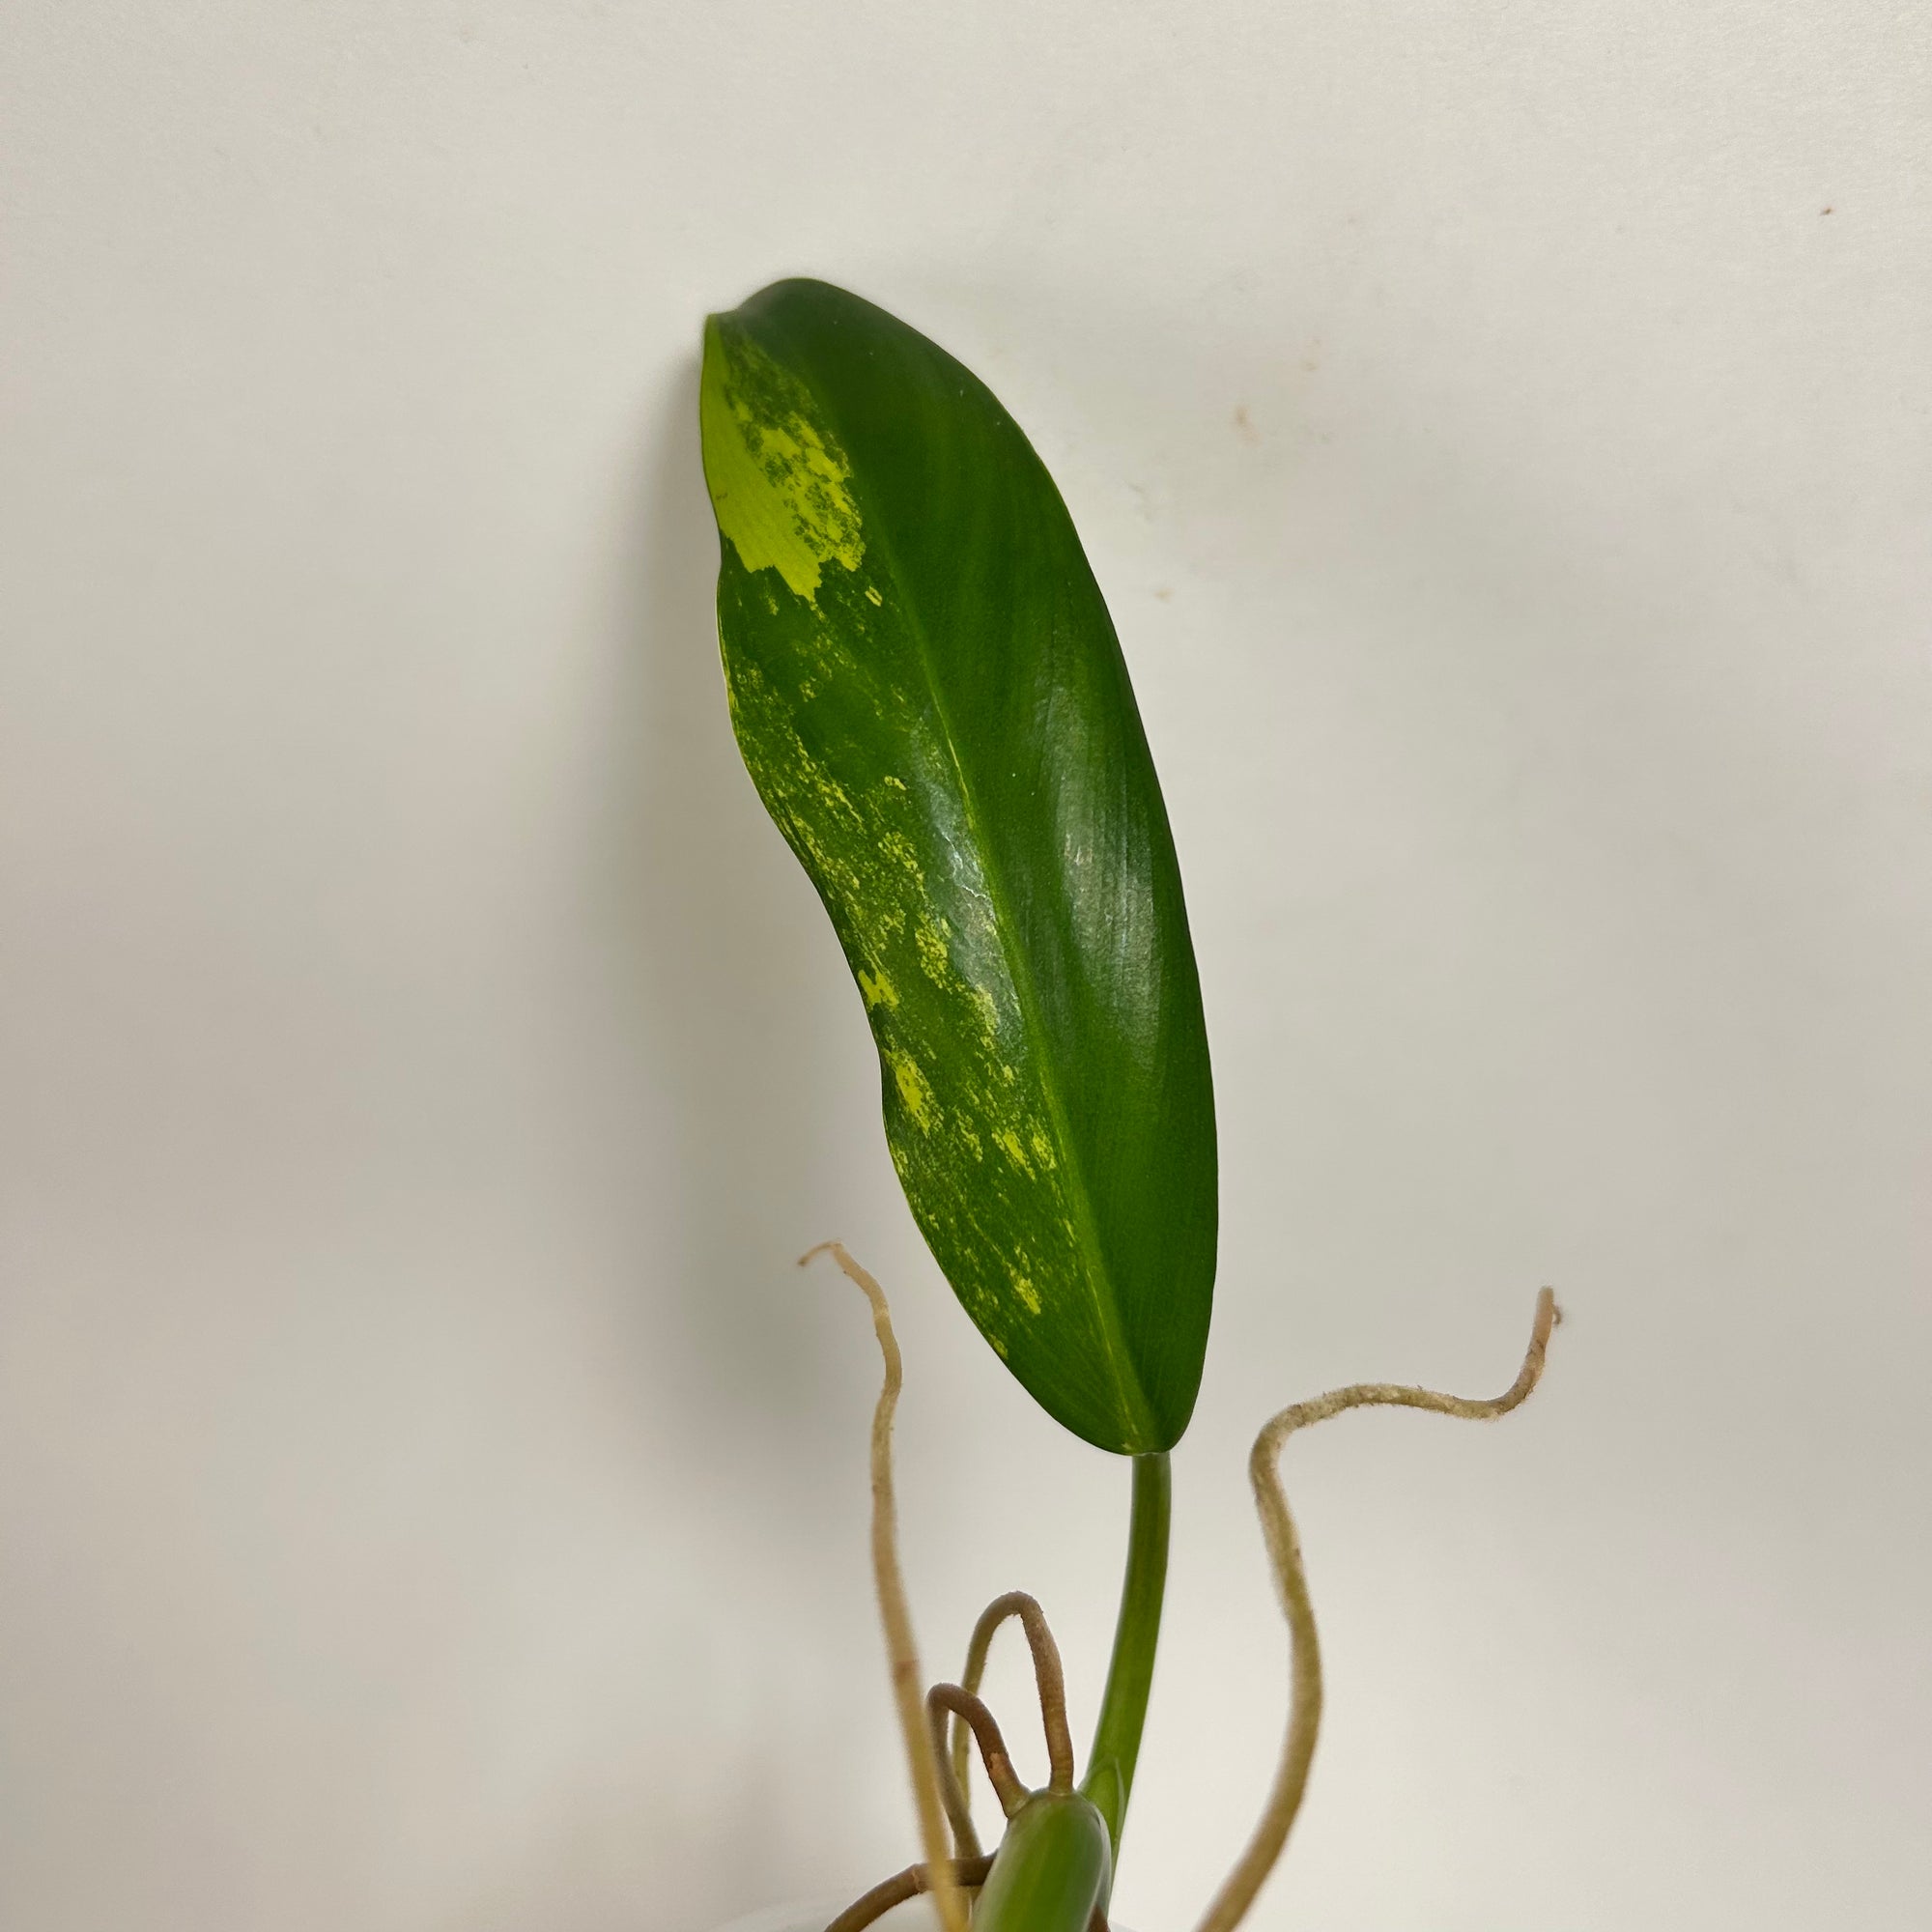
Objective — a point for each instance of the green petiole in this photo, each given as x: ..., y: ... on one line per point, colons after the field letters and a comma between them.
x: 1117, y: 1738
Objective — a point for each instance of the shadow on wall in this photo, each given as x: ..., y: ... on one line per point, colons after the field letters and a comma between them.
x: 711, y: 1033
x: 707, y: 921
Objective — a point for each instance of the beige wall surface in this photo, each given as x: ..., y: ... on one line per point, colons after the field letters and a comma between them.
x: 430, y: 1501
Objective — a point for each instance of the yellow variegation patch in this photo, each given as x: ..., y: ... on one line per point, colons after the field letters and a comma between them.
x: 777, y: 482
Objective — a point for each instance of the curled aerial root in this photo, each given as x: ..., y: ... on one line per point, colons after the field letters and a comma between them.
x: 961, y: 1874
x: 945, y: 1700
x: 1290, y: 1780
x: 902, y: 1652
x: 1049, y: 1681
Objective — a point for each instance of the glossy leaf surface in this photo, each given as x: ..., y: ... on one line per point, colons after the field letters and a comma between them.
x: 932, y: 700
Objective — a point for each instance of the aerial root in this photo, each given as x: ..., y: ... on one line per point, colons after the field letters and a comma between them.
x: 968, y: 1874
x: 961, y: 1875
x: 962, y: 1704
x: 895, y: 1615
x: 1290, y: 1780
x: 1049, y: 1682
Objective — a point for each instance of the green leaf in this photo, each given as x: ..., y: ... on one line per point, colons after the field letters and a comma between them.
x: 932, y: 700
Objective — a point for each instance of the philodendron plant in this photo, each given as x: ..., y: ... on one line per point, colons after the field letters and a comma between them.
x: 932, y: 700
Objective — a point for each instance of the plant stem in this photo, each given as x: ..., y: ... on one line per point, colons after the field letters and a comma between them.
x: 1117, y: 1738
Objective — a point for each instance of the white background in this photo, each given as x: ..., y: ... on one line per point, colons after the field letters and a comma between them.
x: 430, y: 1502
